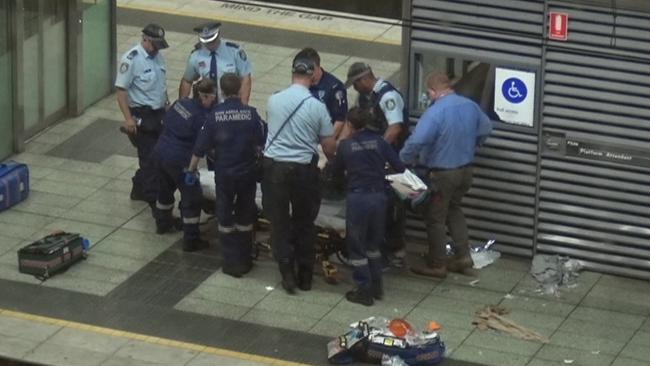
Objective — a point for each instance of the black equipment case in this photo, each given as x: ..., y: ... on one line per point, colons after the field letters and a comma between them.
x: 50, y: 255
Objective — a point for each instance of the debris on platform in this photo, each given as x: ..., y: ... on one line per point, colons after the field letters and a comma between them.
x: 492, y: 317
x: 483, y: 256
x: 553, y: 272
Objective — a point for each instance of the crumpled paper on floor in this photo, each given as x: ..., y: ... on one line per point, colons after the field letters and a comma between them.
x: 491, y: 317
x: 554, y: 271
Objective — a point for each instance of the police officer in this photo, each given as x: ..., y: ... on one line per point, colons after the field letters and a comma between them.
x: 297, y: 123
x: 237, y: 133
x: 172, y: 153
x: 142, y: 96
x: 329, y: 90
x: 387, y: 106
x: 212, y: 57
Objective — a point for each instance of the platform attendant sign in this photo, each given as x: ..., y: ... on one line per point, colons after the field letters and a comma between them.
x: 514, y: 96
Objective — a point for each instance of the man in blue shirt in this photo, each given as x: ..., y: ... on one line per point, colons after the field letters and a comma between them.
x: 363, y: 156
x: 172, y: 154
x: 329, y: 90
x: 237, y: 133
x: 297, y: 124
x: 445, y: 141
x: 142, y: 96
x: 212, y: 57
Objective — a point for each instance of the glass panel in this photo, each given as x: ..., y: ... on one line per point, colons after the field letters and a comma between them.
x: 54, y: 56
x: 31, y: 72
x: 475, y: 79
x: 96, y: 50
x: 6, y: 122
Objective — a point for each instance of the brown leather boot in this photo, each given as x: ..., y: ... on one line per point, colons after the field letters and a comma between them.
x: 437, y: 271
x: 462, y: 264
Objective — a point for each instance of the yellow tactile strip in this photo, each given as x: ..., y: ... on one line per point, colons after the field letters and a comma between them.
x: 149, y: 339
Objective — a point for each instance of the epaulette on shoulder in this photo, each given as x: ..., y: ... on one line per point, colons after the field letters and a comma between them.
x: 232, y: 44
x: 132, y: 54
x: 197, y: 46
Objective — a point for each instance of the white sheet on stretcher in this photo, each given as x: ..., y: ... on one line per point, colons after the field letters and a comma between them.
x: 330, y: 216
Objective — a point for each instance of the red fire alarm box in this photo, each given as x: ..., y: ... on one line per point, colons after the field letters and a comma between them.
x: 558, y: 26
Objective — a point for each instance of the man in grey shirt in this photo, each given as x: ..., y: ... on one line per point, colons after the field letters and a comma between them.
x: 297, y: 124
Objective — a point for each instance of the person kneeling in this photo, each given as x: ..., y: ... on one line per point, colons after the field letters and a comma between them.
x: 363, y: 157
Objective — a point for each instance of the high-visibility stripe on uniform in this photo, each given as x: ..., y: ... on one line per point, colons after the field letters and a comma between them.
x: 373, y: 254
x: 244, y: 227
x: 191, y: 220
x: 226, y: 229
x: 358, y: 262
x: 162, y: 206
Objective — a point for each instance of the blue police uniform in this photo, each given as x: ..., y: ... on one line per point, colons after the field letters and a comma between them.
x: 363, y: 156
x: 172, y: 154
x: 291, y: 194
x: 333, y: 94
x: 237, y: 133
x: 144, y: 78
x: 387, y: 106
x: 229, y: 58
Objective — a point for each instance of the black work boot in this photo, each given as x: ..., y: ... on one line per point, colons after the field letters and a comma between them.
x: 305, y: 275
x: 288, y: 278
x: 237, y: 271
x: 176, y: 224
x: 360, y: 296
x: 377, y: 289
x: 462, y: 264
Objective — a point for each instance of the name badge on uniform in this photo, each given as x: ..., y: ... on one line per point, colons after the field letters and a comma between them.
x: 202, y: 64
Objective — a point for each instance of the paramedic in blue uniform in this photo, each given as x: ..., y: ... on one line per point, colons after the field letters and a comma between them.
x: 445, y: 140
x: 363, y: 156
x: 329, y: 90
x: 212, y: 57
x: 172, y: 154
x: 297, y: 124
x: 237, y: 133
x: 390, y: 116
x: 142, y: 96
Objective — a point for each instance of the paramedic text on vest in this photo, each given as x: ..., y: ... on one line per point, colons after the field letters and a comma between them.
x: 212, y: 57
x: 142, y: 96
x: 297, y: 123
x: 237, y: 133
x: 329, y: 90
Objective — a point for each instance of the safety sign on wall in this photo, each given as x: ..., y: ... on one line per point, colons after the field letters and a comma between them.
x: 514, y: 96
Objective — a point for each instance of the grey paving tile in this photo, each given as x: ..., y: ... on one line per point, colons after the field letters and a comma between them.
x: 37, y: 172
x: 120, y: 161
x: 393, y: 307
x: 155, y: 353
x: 138, y: 237
x: 51, y: 200
x: 623, y: 300
x: 638, y: 348
x: 91, y: 341
x: 256, y: 279
x: 646, y: 325
x: 63, y: 189
x: 329, y: 328
x: 78, y: 284
x: 280, y: 320
x: 38, y: 332
x: 93, y: 272
x: 75, y: 179
x: 580, y: 357
x: 453, y: 337
x: 420, y: 317
x: 613, y: 318
x: 348, y: 313
x: 15, y: 347
x: 116, y: 262
x: 39, y: 160
x: 321, y: 293
x: 486, y: 356
x: 540, y: 362
x: 291, y: 306
x: 624, y: 283
x: 400, y: 281
x: 118, y: 185
x: 240, y: 297
x: 86, y: 168
x: 502, y: 342
x: 142, y: 222
x: 623, y: 361
x: 94, y: 218
x: 17, y: 231
x: 459, y: 306
x: 476, y: 295
x: 25, y: 218
x: 53, y: 354
x: 90, y: 231
x: 128, y: 361
x: 34, y: 207
x: 205, y: 359
x: 549, y: 306
x: 211, y: 307
x: 10, y: 272
x: 587, y: 342
x: 489, y: 278
x: 8, y: 244
x: 511, y: 263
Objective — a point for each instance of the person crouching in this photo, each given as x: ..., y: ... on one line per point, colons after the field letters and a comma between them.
x: 363, y: 157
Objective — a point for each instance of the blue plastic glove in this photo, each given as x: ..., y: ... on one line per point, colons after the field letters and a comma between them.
x: 190, y: 177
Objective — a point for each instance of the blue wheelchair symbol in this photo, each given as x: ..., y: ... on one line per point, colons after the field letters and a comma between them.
x: 514, y: 90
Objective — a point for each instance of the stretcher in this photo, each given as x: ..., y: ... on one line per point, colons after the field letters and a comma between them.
x: 330, y: 224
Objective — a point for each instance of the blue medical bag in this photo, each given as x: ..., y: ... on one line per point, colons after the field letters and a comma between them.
x: 14, y: 184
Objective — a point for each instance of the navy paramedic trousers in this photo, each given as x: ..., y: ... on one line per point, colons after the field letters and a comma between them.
x: 365, y: 218
x: 170, y: 178
x: 145, y: 180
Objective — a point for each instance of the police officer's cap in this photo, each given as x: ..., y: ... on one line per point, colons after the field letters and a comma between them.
x: 356, y: 71
x: 303, y: 66
x: 208, y: 32
x: 156, y: 35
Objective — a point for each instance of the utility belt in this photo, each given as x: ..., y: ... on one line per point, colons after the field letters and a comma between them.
x: 147, y: 118
x: 368, y: 190
x: 448, y: 169
x: 312, y: 163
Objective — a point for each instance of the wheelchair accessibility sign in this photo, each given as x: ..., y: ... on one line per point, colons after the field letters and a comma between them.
x: 514, y: 96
